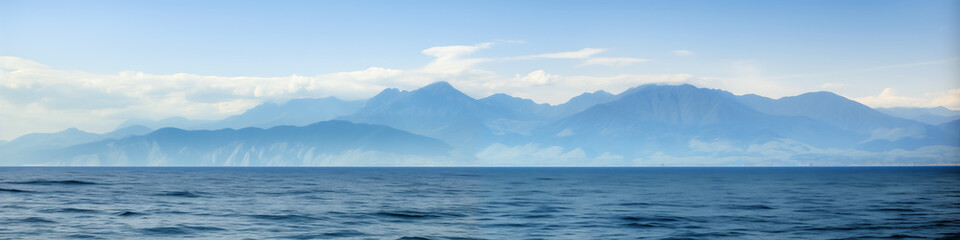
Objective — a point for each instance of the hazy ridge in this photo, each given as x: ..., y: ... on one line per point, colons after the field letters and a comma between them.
x: 438, y: 125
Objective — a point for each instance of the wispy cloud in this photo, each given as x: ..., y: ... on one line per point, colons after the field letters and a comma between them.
x: 39, y: 98
x: 612, y: 61
x: 451, y: 60
x: 587, y: 54
x: 889, y: 97
x: 579, y: 54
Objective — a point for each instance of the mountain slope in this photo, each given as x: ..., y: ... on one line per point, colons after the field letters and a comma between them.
x: 284, y: 145
x: 174, y: 122
x: 885, y: 132
x: 295, y: 112
x: 933, y: 116
x: 436, y: 110
x: 583, y: 102
x: 665, y: 118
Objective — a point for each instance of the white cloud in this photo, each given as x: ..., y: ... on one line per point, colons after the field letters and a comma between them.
x: 538, y: 77
x: 38, y: 98
x: 682, y: 53
x: 579, y: 54
x: 586, y: 54
x: 890, y: 98
x: 449, y: 59
x: 612, y: 61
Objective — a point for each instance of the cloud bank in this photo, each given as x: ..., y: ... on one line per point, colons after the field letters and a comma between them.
x: 38, y: 98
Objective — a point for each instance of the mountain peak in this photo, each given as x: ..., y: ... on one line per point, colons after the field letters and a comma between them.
x: 442, y: 90
x: 659, y: 86
x: 823, y: 94
x: 72, y: 130
x: 438, y: 86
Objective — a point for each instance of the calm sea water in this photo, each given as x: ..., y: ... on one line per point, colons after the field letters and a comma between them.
x: 480, y: 203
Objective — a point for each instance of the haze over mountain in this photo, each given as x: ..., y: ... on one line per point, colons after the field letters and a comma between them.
x: 439, y: 125
x: 322, y: 143
x: 932, y: 116
x: 295, y: 112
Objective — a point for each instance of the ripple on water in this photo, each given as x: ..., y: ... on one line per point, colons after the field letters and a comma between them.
x: 410, y: 214
x: 69, y: 210
x: 13, y: 190
x: 54, y: 182
x: 285, y: 217
x: 180, y: 229
x: 326, y: 235
x: 36, y: 220
x: 185, y: 194
x: 130, y: 214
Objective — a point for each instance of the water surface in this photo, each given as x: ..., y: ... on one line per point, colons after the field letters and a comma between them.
x: 480, y: 203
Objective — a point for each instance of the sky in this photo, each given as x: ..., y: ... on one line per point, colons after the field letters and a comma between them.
x: 94, y: 64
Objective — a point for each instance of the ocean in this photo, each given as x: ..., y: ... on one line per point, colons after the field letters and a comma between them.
x: 479, y: 203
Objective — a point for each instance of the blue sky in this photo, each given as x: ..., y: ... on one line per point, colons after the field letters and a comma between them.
x: 210, y: 59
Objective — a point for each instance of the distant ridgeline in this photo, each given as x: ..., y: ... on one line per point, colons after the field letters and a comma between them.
x: 437, y: 125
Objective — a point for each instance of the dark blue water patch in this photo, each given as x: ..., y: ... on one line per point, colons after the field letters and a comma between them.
x: 749, y: 207
x: 164, y: 231
x: 179, y: 229
x: 36, y: 220
x: 285, y: 217
x: 83, y: 236
x: 894, y: 210
x: 129, y: 214
x: 894, y: 236
x: 69, y: 210
x: 485, y: 203
x: 199, y: 228
x: 329, y: 235
x: 185, y: 194
x: 53, y: 182
x: 657, y: 219
x: 13, y: 190
x: 410, y: 214
x: 414, y: 238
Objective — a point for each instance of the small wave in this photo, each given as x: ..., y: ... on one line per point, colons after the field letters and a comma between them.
x: 164, y: 231
x: 894, y: 236
x: 643, y: 225
x: 632, y: 204
x: 130, y: 214
x: 416, y: 214
x: 179, y: 194
x: 546, y: 209
x: 334, y: 234
x: 83, y: 236
x: 750, y: 207
x: 180, y: 229
x: 651, y: 219
x: 414, y: 238
x: 37, y: 220
x: 69, y: 210
x: 404, y: 214
x: 199, y: 228
x: 712, y: 234
x: 284, y: 217
x: 894, y: 210
x: 14, y: 190
x: 54, y: 182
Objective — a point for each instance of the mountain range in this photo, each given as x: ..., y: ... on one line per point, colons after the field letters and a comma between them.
x: 440, y: 125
